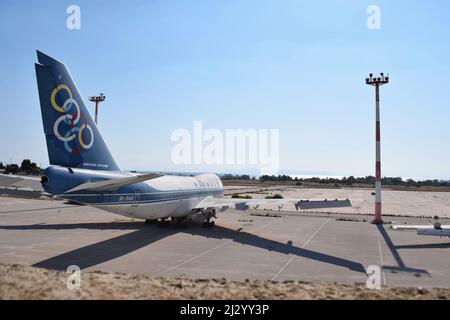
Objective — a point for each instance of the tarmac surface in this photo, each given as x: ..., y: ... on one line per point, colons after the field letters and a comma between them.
x: 54, y: 235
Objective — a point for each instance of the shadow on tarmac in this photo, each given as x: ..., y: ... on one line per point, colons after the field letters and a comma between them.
x: 401, y: 266
x: 143, y: 235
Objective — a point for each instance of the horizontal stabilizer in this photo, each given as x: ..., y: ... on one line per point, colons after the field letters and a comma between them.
x: 113, y: 184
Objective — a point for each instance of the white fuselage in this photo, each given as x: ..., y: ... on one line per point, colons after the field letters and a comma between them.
x: 177, y: 197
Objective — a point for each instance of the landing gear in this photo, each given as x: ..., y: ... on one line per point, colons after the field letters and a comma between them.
x: 179, y: 222
x: 163, y: 223
x: 198, y: 216
x: 208, y: 224
x: 208, y: 214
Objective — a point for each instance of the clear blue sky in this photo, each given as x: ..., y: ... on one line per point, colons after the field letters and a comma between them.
x: 294, y: 65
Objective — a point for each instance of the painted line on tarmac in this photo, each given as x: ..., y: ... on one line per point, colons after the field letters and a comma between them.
x: 207, y: 251
x: 302, y: 247
x: 382, y: 263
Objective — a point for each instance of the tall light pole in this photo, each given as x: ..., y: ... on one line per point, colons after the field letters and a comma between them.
x: 97, y: 100
x: 377, y: 82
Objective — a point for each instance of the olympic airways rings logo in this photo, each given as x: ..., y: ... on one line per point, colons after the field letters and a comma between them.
x: 71, y: 118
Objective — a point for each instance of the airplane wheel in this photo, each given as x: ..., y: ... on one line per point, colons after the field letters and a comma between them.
x: 180, y: 223
x: 208, y: 224
x: 163, y: 223
x: 151, y: 221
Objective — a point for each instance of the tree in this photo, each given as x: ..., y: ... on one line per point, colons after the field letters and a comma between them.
x: 26, y: 165
x: 29, y: 167
x: 12, y: 168
x: 351, y: 180
x: 34, y: 169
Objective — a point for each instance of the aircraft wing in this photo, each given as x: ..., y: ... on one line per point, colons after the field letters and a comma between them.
x: 240, y: 204
x: 12, y: 176
x: 18, y: 181
x: 113, y: 184
x: 243, y: 204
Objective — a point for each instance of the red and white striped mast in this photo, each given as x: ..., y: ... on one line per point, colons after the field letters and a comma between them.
x: 377, y: 82
x: 97, y: 100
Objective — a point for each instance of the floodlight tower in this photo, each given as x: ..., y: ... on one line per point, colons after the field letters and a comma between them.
x: 97, y: 100
x: 377, y: 82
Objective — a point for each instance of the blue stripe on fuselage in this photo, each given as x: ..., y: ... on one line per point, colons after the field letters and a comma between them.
x: 139, y: 197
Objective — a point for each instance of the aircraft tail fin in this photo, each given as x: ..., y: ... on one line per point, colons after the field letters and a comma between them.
x: 73, y: 139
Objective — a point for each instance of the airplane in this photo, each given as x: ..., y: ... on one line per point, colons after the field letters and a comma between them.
x: 437, y: 229
x: 82, y: 169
